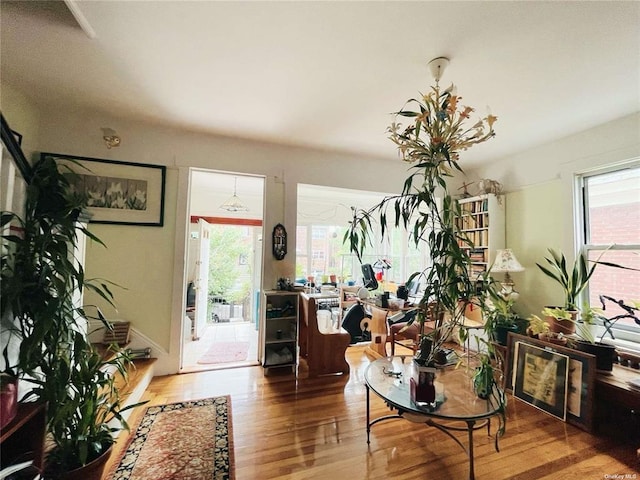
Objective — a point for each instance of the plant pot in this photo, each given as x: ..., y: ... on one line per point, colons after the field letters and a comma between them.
x: 502, y: 331
x: 8, y: 401
x: 605, y: 354
x: 522, y: 324
x: 91, y: 471
x: 561, y: 325
x: 552, y: 338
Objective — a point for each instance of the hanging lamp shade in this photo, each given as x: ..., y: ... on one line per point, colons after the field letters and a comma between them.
x: 234, y: 204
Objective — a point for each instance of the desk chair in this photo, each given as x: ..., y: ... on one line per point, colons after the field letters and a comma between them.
x: 410, y: 337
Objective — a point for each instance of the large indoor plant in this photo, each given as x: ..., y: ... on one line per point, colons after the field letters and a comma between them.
x: 431, y: 144
x: 41, y: 284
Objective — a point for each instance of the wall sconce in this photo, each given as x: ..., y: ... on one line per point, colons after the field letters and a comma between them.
x: 110, y: 137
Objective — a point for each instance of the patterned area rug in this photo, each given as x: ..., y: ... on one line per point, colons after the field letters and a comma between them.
x: 225, y: 352
x: 181, y: 441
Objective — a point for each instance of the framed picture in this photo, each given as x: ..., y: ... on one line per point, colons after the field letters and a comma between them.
x: 15, y: 175
x: 581, y: 378
x: 120, y: 193
x: 542, y: 379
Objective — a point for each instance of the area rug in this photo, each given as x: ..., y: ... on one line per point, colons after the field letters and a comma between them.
x: 225, y: 352
x: 181, y: 441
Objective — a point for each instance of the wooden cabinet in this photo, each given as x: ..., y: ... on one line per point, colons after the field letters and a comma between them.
x: 280, y: 329
x: 483, y: 223
x: 23, y: 438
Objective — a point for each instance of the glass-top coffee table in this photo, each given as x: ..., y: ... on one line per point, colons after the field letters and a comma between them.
x: 455, y: 402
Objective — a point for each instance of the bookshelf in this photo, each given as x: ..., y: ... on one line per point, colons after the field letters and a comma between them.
x: 280, y: 331
x: 483, y: 223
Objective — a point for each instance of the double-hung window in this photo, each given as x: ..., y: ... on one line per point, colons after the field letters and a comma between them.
x: 610, y: 230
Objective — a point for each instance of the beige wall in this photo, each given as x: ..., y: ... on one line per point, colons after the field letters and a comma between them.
x: 540, y: 198
x: 530, y: 230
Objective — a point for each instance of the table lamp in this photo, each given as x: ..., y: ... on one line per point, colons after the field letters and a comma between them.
x: 507, y: 262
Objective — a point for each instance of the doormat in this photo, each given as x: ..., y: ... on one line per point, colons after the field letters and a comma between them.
x: 180, y: 441
x: 225, y: 352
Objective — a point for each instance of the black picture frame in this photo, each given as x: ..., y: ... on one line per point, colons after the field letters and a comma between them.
x: 279, y: 238
x: 541, y: 378
x: 582, y: 376
x: 12, y: 142
x: 119, y: 193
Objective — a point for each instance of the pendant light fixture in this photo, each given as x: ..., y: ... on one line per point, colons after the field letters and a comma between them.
x: 234, y: 204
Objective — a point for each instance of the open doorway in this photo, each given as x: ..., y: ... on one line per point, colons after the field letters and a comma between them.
x: 224, y: 265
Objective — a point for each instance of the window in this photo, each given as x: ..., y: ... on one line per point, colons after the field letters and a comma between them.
x: 320, y: 251
x: 611, y: 232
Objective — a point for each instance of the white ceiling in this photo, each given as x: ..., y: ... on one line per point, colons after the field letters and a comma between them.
x: 328, y: 74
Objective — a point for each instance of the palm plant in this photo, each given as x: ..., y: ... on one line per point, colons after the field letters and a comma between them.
x: 41, y: 281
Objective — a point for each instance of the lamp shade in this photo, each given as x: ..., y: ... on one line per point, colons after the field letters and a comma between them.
x: 506, y: 261
x: 234, y: 204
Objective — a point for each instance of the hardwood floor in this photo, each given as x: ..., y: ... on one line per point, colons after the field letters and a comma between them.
x: 299, y: 428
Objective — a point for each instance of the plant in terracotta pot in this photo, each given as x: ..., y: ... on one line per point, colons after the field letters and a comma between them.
x: 560, y: 320
x: 41, y: 282
x: 537, y: 326
x: 573, y: 279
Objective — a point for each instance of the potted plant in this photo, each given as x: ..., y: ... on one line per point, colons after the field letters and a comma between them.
x: 499, y: 317
x: 82, y: 429
x: 40, y: 282
x: 605, y: 353
x: 573, y: 281
x: 539, y: 328
x: 431, y: 144
x: 560, y: 320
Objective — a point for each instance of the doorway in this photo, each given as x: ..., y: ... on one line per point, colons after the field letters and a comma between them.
x: 224, y: 265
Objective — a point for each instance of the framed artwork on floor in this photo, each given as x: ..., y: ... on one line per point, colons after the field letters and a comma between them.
x: 542, y: 378
x: 581, y: 377
x: 121, y: 193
